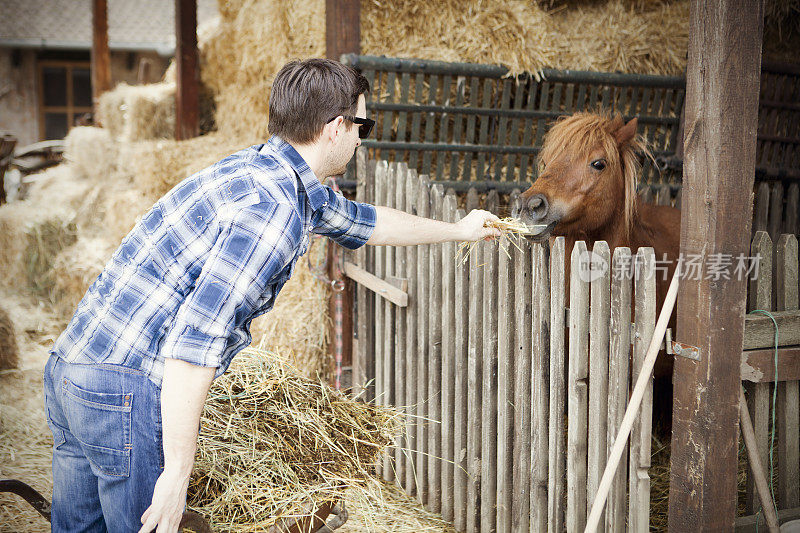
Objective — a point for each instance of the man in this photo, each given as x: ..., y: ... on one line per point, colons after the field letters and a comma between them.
x: 126, y: 381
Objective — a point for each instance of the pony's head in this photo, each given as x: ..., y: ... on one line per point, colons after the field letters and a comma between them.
x: 587, y: 180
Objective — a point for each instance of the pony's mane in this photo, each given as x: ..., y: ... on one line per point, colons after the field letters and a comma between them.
x: 581, y: 133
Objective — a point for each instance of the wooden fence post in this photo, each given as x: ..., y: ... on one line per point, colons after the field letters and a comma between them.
x: 541, y: 384
x: 435, y: 362
x: 449, y: 318
x: 412, y: 397
x: 645, y: 321
x: 557, y: 445
x: 506, y: 359
x: 618, y: 381
x: 577, y: 390
x: 788, y: 415
x: 599, y: 317
x: 461, y: 392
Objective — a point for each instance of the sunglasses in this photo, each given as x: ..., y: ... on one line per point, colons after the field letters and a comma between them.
x: 364, y: 125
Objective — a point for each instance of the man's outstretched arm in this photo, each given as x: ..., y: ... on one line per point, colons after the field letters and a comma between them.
x: 397, y: 228
x: 183, y: 394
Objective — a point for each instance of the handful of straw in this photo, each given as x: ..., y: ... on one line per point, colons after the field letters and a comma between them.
x: 513, y: 228
x: 274, y: 445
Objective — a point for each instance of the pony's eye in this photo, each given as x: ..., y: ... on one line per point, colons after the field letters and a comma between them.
x: 598, y: 164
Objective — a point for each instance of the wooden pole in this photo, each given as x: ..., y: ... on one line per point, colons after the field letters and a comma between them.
x: 101, y: 55
x: 187, y: 100
x: 633, y: 406
x: 342, y: 28
x: 719, y: 169
x: 756, y: 467
x: 342, y: 36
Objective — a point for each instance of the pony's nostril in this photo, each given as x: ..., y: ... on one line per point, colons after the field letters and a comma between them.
x: 537, y: 207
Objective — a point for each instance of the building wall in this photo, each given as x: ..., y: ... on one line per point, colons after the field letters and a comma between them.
x: 18, y: 102
x: 19, y: 113
x: 125, y: 67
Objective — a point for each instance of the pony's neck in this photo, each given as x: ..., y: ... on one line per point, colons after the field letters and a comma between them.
x: 614, y: 231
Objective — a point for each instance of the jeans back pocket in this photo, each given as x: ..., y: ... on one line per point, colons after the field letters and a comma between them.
x: 101, y: 422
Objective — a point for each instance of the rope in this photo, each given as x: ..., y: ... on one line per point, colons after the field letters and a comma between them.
x: 774, y: 403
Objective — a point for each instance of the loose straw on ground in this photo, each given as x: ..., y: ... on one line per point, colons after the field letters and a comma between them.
x: 633, y: 406
x: 274, y: 445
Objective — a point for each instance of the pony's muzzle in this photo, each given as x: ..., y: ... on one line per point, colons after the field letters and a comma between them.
x: 537, y: 208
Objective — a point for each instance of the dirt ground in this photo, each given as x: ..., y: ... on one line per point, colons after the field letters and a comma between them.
x: 25, y: 440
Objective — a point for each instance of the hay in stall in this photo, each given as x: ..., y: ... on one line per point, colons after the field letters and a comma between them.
x: 273, y: 444
x: 619, y: 37
x: 298, y: 325
x: 253, y: 41
x: 9, y: 351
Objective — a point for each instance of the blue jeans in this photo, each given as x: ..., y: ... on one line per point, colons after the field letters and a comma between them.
x: 107, y: 451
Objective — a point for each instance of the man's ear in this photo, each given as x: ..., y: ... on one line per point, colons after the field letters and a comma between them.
x: 329, y: 130
x: 627, y: 132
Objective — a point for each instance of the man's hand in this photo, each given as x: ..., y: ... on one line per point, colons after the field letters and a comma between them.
x: 169, y: 500
x: 472, y: 227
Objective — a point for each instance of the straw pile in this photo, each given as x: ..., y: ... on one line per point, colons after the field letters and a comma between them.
x: 9, y: 353
x: 274, y: 444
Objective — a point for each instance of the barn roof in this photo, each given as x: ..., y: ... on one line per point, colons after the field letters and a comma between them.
x: 49, y: 24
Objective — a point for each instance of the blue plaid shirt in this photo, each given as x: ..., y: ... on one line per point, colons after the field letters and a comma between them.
x: 209, y: 256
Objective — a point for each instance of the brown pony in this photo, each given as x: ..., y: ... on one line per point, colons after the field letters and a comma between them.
x: 586, y: 191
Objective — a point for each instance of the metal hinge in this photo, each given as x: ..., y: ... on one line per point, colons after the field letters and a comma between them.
x: 686, y: 350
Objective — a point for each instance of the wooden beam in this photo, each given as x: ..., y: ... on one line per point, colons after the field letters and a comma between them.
x: 759, y: 330
x: 719, y: 168
x: 342, y: 28
x: 759, y: 365
x: 101, y: 55
x: 392, y: 292
x: 187, y: 99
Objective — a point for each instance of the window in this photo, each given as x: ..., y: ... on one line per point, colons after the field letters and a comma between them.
x: 65, y: 92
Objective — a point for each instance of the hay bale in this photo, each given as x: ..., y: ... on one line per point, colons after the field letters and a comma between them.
x: 157, y: 166
x: 74, y: 269
x: 13, y: 242
x: 9, y: 353
x: 297, y: 327
x: 272, y: 441
x: 122, y: 210
x: 45, y: 240
x: 139, y: 112
x: 91, y: 152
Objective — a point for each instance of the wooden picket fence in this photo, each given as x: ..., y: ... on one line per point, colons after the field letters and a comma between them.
x: 508, y: 430
x: 776, y: 290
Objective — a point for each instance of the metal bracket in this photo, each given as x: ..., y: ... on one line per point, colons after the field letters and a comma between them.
x: 686, y: 350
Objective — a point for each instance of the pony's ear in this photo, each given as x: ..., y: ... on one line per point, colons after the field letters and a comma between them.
x: 627, y: 132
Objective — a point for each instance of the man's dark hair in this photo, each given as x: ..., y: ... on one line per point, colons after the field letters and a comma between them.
x: 306, y: 95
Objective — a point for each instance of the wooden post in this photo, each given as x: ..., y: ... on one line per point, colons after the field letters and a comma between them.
x: 342, y: 36
x: 101, y: 56
x: 719, y: 168
x: 342, y: 28
x: 187, y: 117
